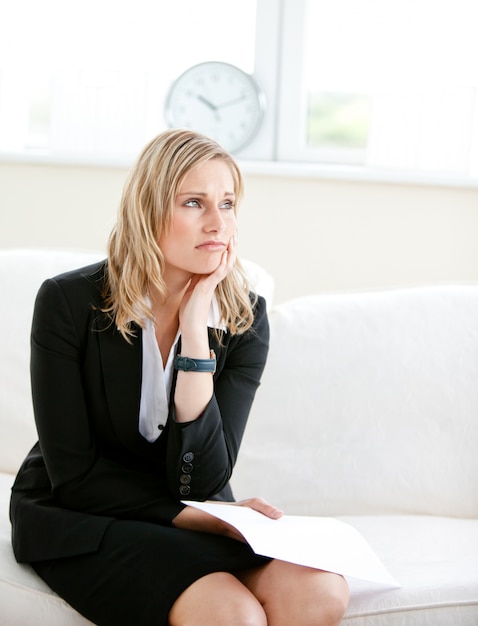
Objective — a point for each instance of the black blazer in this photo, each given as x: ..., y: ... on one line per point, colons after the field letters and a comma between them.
x: 91, y: 465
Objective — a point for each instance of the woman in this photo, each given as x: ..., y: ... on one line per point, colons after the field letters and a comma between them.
x: 144, y: 368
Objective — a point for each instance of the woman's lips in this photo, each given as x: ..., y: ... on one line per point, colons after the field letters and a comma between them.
x: 211, y: 246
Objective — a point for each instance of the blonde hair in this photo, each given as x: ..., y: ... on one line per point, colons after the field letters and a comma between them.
x: 135, y: 260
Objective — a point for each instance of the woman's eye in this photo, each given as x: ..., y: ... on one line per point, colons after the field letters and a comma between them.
x: 227, y: 205
x: 193, y: 203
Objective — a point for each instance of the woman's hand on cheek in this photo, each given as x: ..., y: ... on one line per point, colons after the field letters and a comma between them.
x: 226, y: 264
x: 197, y: 298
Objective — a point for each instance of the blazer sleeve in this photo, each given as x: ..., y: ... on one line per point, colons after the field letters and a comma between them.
x: 202, y: 453
x: 82, y: 477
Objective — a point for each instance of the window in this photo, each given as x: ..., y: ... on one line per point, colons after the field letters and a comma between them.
x: 390, y: 85
x: 366, y: 85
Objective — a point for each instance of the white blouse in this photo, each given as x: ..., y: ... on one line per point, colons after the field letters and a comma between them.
x: 157, y: 380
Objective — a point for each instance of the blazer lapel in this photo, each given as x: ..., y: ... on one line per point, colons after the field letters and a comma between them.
x: 122, y: 364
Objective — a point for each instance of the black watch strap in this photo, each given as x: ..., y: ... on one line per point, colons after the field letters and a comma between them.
x: 186, y: 364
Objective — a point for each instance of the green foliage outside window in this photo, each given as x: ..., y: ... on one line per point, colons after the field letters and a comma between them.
x: 338, y: 120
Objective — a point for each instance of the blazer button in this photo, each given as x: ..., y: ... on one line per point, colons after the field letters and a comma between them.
x: 187, y: 468
x: 184, y: 490
x: 188, y: 457
x: 185, y: 479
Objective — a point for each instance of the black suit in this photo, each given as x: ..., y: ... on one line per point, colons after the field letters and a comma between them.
x: 91, y: 464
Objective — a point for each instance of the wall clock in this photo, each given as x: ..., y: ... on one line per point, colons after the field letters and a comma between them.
x: 219, y: 100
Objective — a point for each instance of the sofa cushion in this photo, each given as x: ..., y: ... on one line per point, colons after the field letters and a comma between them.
x: 24, y: 597
x: 436, y: 561
x: 368, y: 405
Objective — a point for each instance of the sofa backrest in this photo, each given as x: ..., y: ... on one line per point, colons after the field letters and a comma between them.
x: 22, y: 271
x: 369, y: 404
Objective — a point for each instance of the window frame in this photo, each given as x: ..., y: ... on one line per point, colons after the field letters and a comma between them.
x: 279, y: 69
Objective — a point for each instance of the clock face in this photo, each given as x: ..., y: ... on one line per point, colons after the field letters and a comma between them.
x: 218, y: 100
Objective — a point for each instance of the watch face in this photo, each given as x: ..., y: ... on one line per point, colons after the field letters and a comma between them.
x: 218, y: 100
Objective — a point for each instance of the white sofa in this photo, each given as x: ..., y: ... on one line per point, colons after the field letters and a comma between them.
x: 368, y: 411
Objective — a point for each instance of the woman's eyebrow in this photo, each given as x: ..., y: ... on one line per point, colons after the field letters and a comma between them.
x: 202, y: 193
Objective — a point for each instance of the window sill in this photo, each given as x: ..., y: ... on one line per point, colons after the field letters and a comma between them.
x: 266, y: 168
x: 354, y: 173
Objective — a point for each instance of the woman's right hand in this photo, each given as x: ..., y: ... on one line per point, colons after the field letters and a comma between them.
x: 191, y: 518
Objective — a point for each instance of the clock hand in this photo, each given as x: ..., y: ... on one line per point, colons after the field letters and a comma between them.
x: 229, y: 102
x: 206, y: 102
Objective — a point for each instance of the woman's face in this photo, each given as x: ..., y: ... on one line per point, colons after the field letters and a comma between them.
x: 203, y: 221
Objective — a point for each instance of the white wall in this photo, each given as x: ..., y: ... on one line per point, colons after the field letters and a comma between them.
x: 318, y: 235
x: 312, y: 235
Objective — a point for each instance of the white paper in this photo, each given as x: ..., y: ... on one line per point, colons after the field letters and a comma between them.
x: 321, y: 542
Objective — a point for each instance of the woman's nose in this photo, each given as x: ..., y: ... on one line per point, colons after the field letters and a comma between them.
x: 215, y: 221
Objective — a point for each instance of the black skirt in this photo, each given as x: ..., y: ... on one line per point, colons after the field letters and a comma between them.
x: 140, y: 570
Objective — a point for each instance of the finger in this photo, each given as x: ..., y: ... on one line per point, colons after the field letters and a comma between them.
x: 261, y: 506
x: 226, y: 264
x: 192, y: 283
x: 230, y: 255
x: 232, y: 246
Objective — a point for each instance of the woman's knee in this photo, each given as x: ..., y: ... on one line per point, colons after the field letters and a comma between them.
x: 325, y: 597
x: 218, y: 599
x: 334, y: 601
x: 294, y: 594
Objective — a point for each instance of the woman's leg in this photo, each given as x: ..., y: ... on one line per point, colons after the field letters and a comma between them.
x: 218, y: 599
x: 293, y: 594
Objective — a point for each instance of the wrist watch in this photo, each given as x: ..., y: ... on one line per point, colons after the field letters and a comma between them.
x: 187, y: 364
